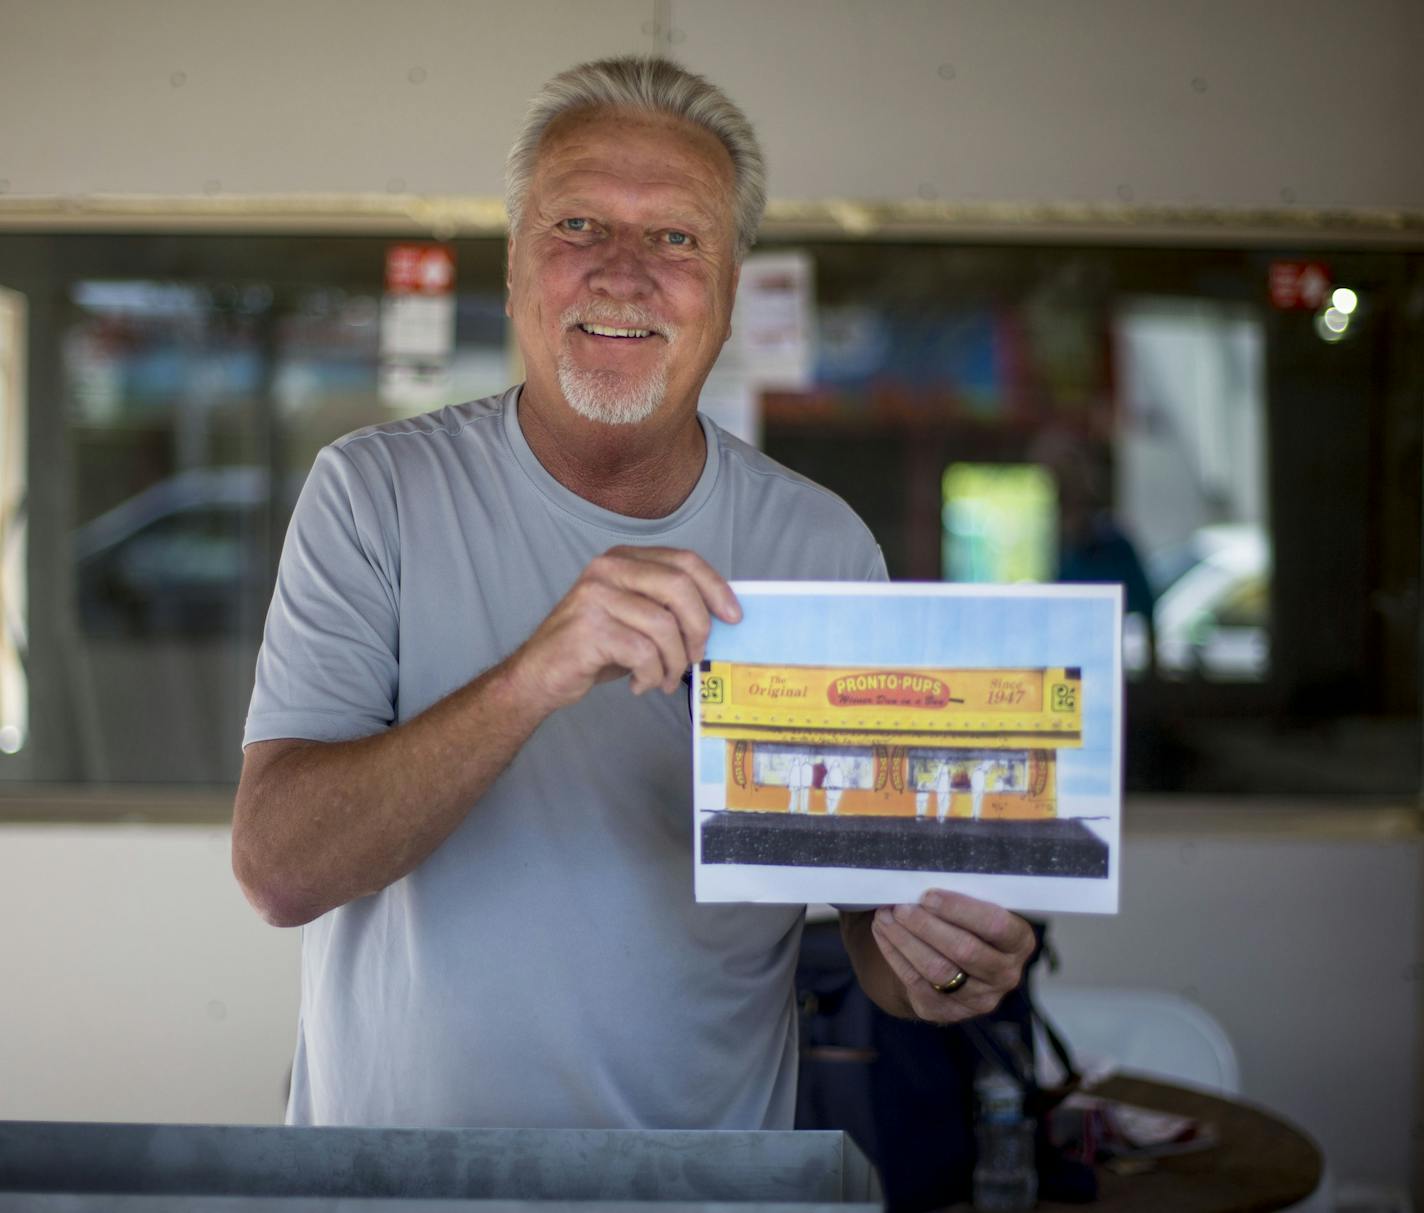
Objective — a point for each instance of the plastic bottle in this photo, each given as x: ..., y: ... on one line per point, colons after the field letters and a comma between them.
x: 1005, y: 1173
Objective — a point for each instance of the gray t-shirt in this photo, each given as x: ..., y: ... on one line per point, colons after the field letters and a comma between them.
x: 547, y: 966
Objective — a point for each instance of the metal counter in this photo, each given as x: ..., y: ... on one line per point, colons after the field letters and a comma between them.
x: 65, y: 1167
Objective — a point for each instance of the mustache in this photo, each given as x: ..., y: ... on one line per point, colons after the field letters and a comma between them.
x: 619, y: 316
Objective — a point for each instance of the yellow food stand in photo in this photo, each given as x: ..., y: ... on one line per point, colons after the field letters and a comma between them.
x: 932, y: 744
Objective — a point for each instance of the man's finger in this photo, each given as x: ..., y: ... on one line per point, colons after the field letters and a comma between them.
x: 663, y: 587
x: 659, y: 625
x: 936, y: 967
x: 991, y: 923
x: 899, y: 964
x: 636, y: 653
x: 715, y: 590
x: 711, y: 589
x: 972, y: 953
x: 606, y: 618
x: 926, y: 1002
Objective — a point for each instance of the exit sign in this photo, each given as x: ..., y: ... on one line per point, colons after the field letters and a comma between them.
x: 1299, y: 285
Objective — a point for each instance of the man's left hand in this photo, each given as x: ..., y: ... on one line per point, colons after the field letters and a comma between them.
x: 929, y: 944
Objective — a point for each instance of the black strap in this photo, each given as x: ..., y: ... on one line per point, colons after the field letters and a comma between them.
x: 1038, y: 1100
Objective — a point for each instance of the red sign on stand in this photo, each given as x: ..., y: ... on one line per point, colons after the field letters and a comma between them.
x: 1299, y: 285
x: 417, y: 325
x: 420, y: 269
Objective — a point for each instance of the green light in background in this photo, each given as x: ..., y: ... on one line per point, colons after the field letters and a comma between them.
x: 1000, y: 522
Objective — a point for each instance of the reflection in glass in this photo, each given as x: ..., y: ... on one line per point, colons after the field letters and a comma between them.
x: 1192, y: 480
x: 184, y: 401
x: 14, y: 588
x: 170, y: 498
x: 999, y: 522
x: 194, y: 410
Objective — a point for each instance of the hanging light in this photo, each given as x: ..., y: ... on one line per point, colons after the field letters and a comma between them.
x: 1331, y: 324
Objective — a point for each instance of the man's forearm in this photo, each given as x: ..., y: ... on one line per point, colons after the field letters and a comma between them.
x: 321, y: 824
x: 872, y: 970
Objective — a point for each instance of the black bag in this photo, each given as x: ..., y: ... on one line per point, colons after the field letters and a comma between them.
x: 904, y: 1090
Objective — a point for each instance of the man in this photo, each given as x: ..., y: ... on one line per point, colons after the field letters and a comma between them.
x: 835, y: 782
x: 978, y: 775
x: 467, y: 762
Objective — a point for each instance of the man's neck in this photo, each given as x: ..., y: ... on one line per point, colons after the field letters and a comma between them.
x: 643, y: 470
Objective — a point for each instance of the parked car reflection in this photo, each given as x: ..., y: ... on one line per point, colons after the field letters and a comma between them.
x: 1212, y: 617
x: 186, y: 557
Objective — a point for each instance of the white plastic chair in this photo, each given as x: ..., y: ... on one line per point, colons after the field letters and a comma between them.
x: 1150, y: 1032
x: 1157, y: 1034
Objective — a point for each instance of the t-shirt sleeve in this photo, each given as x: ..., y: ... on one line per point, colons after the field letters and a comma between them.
x: 875, y: 569
x: 327, y: 669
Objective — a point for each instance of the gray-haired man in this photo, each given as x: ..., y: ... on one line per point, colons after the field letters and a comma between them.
x: 454, y: 774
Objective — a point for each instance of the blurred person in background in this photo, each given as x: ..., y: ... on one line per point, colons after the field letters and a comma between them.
x: 1092, y: 546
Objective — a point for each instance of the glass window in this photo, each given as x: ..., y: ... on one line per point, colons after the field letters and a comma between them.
x: 183, y: 388
x: 1250, y: 473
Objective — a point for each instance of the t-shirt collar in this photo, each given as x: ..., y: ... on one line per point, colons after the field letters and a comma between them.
x: 569, y: 501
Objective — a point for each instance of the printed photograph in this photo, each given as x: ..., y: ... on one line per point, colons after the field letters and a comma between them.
x: 859, y: 744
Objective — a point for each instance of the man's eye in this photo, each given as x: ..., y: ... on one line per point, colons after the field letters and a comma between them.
x: 575, y: 225
x: 679, y: 239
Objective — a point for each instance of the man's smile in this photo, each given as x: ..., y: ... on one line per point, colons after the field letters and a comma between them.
x: 603, y: 330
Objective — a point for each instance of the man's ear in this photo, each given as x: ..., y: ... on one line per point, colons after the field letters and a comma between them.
x: 736, y: 281
x: 508, y: 275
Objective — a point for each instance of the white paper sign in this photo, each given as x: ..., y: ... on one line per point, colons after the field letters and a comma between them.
x: 773, y: 322
x: 416, y: 327
x: 859, y: 744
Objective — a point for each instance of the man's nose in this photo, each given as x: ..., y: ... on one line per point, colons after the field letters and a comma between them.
x: 622, y: 269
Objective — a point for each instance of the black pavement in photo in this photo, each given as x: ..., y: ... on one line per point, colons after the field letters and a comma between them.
x: 1059, y: 847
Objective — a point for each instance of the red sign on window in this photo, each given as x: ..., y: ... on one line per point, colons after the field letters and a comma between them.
x: 1299, y: 284
x: 420, y: 269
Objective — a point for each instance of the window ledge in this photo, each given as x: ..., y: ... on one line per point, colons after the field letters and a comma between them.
x: 77, y: 804
x: 1322, y: 819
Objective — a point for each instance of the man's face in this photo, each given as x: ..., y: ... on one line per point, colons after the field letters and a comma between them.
x: 623, y: 270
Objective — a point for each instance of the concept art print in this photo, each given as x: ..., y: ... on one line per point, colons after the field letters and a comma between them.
x: 859, y: 744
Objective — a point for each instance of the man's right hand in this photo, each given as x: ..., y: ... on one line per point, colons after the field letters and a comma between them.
x: 642, y: 612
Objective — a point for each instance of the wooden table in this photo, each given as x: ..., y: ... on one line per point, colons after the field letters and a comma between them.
x: 1261, y: 1163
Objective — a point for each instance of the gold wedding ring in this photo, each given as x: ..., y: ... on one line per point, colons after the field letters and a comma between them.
x: 956, y: 982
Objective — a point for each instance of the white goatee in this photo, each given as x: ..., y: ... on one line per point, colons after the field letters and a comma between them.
x: 613, y: 397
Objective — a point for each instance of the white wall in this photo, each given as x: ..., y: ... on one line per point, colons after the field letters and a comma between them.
x: 136, y: 984
x: 1313, y: 103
